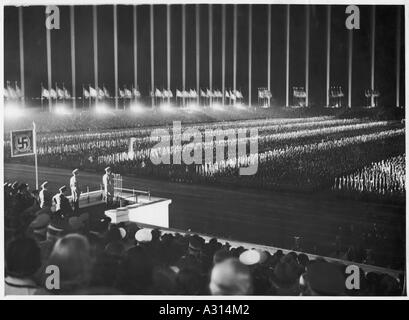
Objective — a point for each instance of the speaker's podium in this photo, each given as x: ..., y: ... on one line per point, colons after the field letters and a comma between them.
x: 140, y: 207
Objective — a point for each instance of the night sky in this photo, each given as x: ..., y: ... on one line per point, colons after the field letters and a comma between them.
x: 36, y: 60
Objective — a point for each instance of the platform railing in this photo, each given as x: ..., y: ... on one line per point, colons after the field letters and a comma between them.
x: 134, y: 193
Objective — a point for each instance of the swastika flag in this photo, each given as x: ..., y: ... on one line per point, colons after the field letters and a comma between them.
x: 22, y: 143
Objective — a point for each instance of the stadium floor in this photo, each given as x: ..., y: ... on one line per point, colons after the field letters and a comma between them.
x: 246, y: 215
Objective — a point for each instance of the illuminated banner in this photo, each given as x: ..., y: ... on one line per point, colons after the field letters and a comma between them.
x: 22, y: 143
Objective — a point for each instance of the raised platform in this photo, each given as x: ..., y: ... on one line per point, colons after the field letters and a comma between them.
x: 145, y: 209
x: 135, y: 206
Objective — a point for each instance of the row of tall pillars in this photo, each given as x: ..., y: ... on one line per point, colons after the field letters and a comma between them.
x: 210, y: 19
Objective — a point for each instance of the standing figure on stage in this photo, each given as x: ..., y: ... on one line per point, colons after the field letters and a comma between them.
x: 62, y: 204
x: 45, y: 196
x: 108, y: 181
x: 75, y: 191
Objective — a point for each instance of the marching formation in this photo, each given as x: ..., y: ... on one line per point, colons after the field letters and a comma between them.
x: 292, y: 154
x: 386, y: 177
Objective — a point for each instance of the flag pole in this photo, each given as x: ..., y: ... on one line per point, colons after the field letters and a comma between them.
x: 224, y: 52
x: 35, y: 152
x: 287, y: 59
x: 183, y: 53
x: 115, y: 55
x: 152, y: 43
x: 21, y: 41
x: 210, y: 51
x: 73, y: 77
x: 42, y: 88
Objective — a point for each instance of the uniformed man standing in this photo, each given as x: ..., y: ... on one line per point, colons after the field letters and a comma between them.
x: 75, y: 191
x: 108, y: 182
x: 62, y: 204
x: 45, y: 196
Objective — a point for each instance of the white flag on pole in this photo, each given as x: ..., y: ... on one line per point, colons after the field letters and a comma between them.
x: 92, y: 92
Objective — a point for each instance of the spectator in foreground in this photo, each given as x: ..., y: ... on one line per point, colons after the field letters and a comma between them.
x: 23, y: 259
x: 135, y: 273
x: 72, y: 255
x: 230, y: 277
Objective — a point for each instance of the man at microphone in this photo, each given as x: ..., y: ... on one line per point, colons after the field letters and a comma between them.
x: 108, y: 182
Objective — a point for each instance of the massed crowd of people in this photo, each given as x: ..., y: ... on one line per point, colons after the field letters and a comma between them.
x: 95, y: 256
x: 296, y: 160
x: 386, y: 177
x: 104, y: 258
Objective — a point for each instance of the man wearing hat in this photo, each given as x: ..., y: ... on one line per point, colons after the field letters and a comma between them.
x: 143, y: 236
x: 62, y: 204
x: 108, y: 181
x: 39, y: 225
x: 75, y: 190
x: 231, y: 277
x: 45, y: 196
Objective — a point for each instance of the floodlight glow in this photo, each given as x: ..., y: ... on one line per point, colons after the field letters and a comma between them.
x: 239, y: 105
x: 193, y: 106
x: 166, y: 107
x: 13, y: 110
x: 102, y: 108
x: 136, y: 108
x: 61, y: 109
x: 217, y: 106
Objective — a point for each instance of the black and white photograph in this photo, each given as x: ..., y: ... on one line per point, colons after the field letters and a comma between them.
x: 182, y: 149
